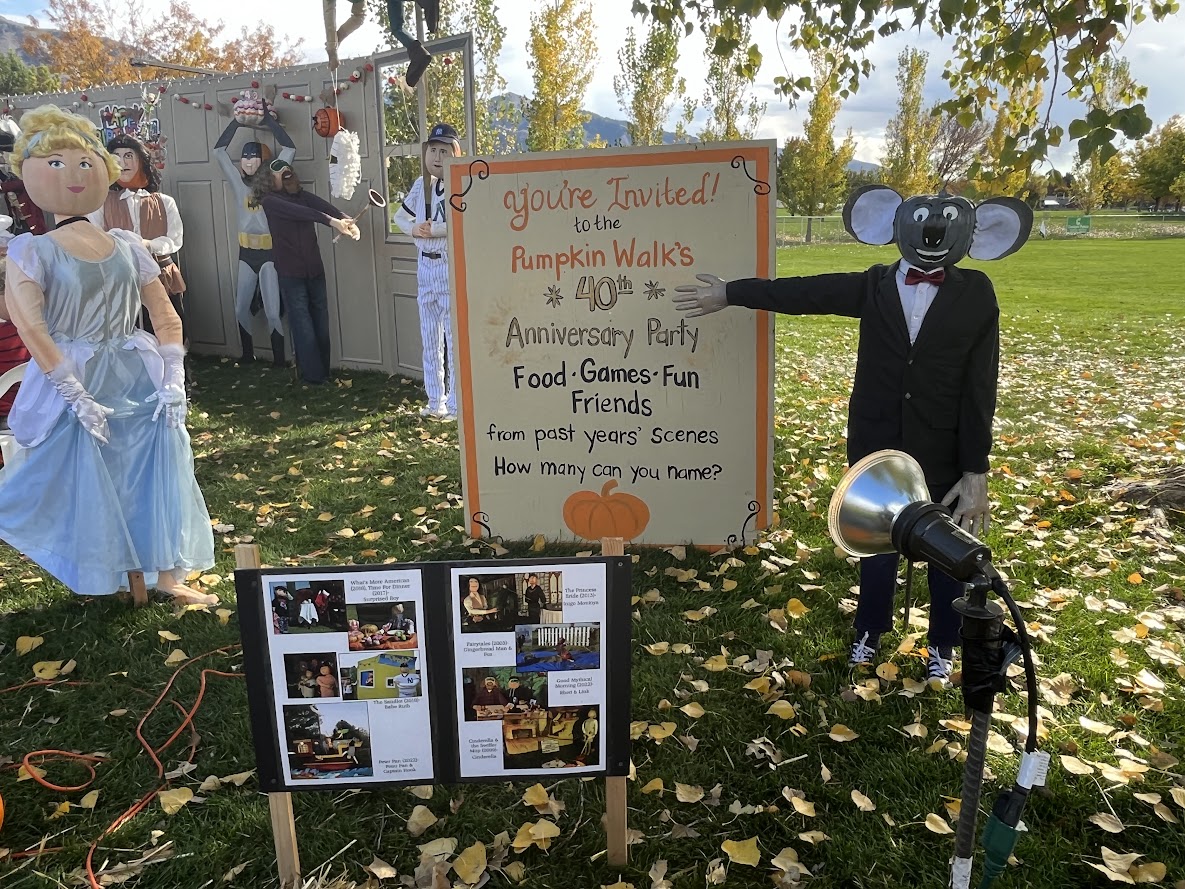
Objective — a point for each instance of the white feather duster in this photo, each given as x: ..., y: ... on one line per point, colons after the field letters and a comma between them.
x: 345, y: 165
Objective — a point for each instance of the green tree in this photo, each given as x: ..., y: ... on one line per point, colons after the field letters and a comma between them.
x: 910, y: 135
x: 1159, y: 161
x: 997, y: 45
x: 1094, y: 172
x: 563, y: 52
x: 649, y: 83
x: 1014, y: 117
x: 733, y: 113
x: 811, y: 174
x: 444, y: 83
x: 16, y: 77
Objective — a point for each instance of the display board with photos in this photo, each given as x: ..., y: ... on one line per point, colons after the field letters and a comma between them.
x: 437, y: 672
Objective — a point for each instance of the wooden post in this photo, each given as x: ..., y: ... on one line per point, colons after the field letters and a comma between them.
x: 280, y: 804
x: 139, y: 591
x: 616, y: 815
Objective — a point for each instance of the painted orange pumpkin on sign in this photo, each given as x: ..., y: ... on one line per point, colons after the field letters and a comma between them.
x: 592, y: 516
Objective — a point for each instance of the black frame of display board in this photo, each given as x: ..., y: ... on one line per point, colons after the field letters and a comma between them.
x: 437, y: 620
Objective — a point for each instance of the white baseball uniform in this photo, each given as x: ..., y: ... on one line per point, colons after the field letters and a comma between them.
x: 433, y: 297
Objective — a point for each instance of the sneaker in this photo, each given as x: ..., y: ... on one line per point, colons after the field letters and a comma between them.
x: 431, y: 411
x: 864, y: 650
x: 448, y: 416
x: 939, y: 665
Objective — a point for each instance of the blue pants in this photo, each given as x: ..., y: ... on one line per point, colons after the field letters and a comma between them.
x: 878, y: 586
x: 307, y: 304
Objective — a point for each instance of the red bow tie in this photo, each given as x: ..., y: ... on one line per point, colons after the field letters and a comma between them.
x: 917, y: 276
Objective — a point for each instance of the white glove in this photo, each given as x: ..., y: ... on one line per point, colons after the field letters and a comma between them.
x: 702, y: 300
x: 973, y: 512
x: 170, y: 397
x: 92, y: 415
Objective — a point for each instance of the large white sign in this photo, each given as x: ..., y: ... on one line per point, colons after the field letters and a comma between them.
x: 589, y: 406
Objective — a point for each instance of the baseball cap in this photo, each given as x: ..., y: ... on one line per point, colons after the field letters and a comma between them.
x: 444, y: 132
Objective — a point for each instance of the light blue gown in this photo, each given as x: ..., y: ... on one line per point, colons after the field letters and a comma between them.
x: 89, y: 513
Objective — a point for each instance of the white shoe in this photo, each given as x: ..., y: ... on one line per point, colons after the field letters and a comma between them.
x: 863, y: 651
x: 448, y: 416
x: 431, y: 411
x: 939, y: 668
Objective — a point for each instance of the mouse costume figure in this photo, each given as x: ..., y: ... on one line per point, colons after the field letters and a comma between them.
x: 423, y: 216
x: 926, y: 366
x: 247, y: 181
x: 106, y: 482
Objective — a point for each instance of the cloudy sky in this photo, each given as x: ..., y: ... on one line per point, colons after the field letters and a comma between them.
x: 1153, y: 50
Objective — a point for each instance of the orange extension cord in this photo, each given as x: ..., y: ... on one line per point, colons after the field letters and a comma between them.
x: 153, y: 752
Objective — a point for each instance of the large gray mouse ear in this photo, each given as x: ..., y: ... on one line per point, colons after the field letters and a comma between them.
x: 1002, y: 226
x: 868, y: 215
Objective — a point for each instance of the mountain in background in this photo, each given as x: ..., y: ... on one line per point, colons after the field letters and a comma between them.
x: 12, y: 39
x: 610, y: 129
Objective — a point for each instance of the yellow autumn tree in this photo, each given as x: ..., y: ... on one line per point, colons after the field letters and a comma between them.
x: 89, y: 43
x: 562, y: 54
x: 910, y: 135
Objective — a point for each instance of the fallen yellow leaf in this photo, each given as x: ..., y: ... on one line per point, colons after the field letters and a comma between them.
x: 47, y: 669
x: 802, y: 806
x: 421, y: 819
x: 742, y: 852
x: 535, y: 795
x: 654, y: 785
x: 172, y: 801
x: 688, y: 793
x: 176, y: 656
x: 937, y: 824
x: 694, y: 710
x: 782, y: 709
x: 25, y: 644
x: 168, y: 635
x: 471, y: 863
x: 88, y: 801
x: 863, y: 803
x: 840, y: 732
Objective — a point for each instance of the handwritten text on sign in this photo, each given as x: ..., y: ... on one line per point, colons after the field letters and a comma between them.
x: 590, y: 407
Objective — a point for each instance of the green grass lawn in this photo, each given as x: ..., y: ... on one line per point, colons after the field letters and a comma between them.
x: 1092, y: 390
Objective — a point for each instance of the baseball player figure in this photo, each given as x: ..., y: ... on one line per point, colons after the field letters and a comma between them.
x: 423, y: 216
x: 248, y: 182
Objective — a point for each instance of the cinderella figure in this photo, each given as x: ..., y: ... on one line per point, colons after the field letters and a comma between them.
x: 105, y: 484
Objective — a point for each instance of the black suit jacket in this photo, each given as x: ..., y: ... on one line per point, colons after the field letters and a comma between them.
x: 934, y: 399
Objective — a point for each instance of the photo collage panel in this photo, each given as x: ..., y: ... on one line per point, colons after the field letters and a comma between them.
x: 347, y: 673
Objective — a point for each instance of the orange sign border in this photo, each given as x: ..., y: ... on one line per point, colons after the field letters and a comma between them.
x: 757, y: 153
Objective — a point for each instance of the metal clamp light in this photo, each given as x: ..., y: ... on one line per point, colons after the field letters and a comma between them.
x: 882, y: 505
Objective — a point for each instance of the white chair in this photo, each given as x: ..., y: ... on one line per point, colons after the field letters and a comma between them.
x: 8, y: 446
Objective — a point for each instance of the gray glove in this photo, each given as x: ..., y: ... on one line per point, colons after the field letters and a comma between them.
x: 973, y: 514
x: 92, y: 415
x: 170, y: 397
x: 696, y: 301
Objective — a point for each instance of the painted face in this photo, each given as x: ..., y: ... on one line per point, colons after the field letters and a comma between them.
x: 933, y: 231
x: 434, y: 158
x: 249, y: 165
x: 70, y: 182
x: 129, y: 165
x: 490, y: 683
x: 473, y: 586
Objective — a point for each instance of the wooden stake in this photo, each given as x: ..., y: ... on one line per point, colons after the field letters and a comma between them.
x: 279, y: 804
x: 139, y: 591
x: 616, y: 814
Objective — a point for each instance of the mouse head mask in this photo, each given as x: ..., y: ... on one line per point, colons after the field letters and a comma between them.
x: 933, y: 231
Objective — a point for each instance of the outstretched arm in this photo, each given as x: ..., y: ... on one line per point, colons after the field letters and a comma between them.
x: 287, y: 146
x: 24, y: 302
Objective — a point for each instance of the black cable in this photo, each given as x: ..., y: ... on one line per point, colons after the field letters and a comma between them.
x: 1001, y: 589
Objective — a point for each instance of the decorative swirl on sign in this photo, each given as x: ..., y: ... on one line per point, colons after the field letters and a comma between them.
x: 483, y: 173
x: 761, y: 186
x: 754, y: 511
x: 481, y: 518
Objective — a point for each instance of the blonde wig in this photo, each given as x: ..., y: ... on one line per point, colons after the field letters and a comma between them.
x: 49, y: 129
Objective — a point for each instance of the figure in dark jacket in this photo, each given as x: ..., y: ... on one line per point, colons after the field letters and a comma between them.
x: 926, y: 366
